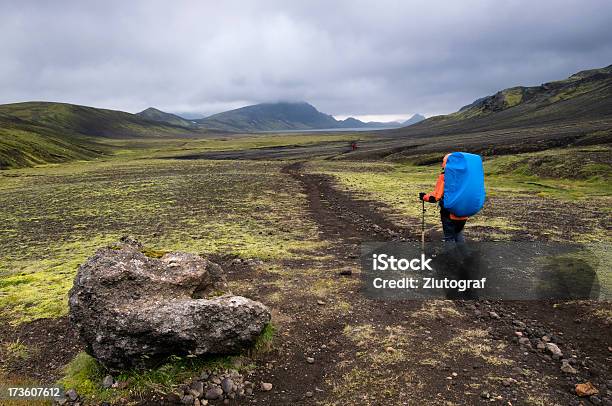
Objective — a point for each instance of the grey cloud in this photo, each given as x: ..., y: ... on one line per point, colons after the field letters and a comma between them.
x: 345, y: 57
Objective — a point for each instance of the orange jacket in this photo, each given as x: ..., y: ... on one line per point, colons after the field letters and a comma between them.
x: 438, y: 193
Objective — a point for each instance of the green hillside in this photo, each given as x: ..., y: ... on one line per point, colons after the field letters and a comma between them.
x: 157, y: 115
x: 576, y: 111
x: 42, y: 132
x: 586, y: 95
x: 25, y: 144
x: 90, y: 121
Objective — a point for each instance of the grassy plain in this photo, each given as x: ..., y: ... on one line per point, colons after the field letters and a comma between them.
x: 55, y: 216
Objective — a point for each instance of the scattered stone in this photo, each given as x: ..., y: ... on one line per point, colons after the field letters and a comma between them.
x: 553, y: 349
x: 595, y: 400
x: 494, y: 315
x: 213, y: 393
x: 568, y: 369
x: 518, y: 334
x: 321, y: 302
x: 216, y: 380
x: 266, y: 386
x: 120, y: 290
x: 519, y: 324
x: 187, y: 400
x: 585, y: 389
x: 309, y: 394
x: 72, y: 395
x: 197, y: 389
x: 508, y: 382
x: 227, y: 385
x: 108, y: 381
x: 485, y: 395
x: 541, y: 346
x: 310, y: 360
x: 524, y: 341
x: 346, y: 272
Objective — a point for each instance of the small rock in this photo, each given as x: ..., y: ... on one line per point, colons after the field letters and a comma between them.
x: 585, y: 389
x: 248, y: 391
x: 309, y: 394
x: 266, y: 386
x: 197, y: 389
x: 494, y: 315
x: 524, y: 341
x: 546, y: 339
x: 553, y: 349
x: 310, y: 360
x: 213, y: 393
x: 72, y: 395
x: 485, y: 395
x: 568, y: 369
x: 187, y: 400
x: 108, y: 381
x: 346, y: 272
x: 216, y: 380
x: 321, y: 302
x: 508, y: 382
x: 595, y: 400
x: 519, y: 324
x: 518, y: 334
x: 227, y: 385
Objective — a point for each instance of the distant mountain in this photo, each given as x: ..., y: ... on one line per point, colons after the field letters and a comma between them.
x: 40, y: 132
x: 586, y: 95
x: 154, y: 114
x: 416, y: 118
x: 572, y: 111
x: 558, y: 100
x: 90, y: 121
x: 271, y: 117
x: 284, y: 116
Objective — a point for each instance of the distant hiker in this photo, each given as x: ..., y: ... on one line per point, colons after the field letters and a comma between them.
x: 459, y: 191
x: 354, y: 145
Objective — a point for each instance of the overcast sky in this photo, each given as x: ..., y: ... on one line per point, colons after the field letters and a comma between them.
x: 383, y: 59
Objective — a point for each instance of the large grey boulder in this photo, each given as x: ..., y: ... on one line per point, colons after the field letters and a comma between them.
x: 131, y: 309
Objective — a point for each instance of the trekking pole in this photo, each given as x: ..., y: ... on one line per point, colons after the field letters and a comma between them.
x: 423, y: 227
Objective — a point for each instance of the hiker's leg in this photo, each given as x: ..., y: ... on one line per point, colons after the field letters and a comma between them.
x: 448, y: 228
x: 458, y: 226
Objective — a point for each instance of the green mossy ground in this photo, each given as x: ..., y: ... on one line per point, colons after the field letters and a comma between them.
x: 54, y: 217
x: 85, y: 374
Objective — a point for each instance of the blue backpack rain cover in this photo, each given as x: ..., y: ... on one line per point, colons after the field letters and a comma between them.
x: 464, y: 189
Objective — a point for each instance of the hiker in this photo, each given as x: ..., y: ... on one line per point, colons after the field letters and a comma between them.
x: 354, y: 145
x: 464, y: 192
